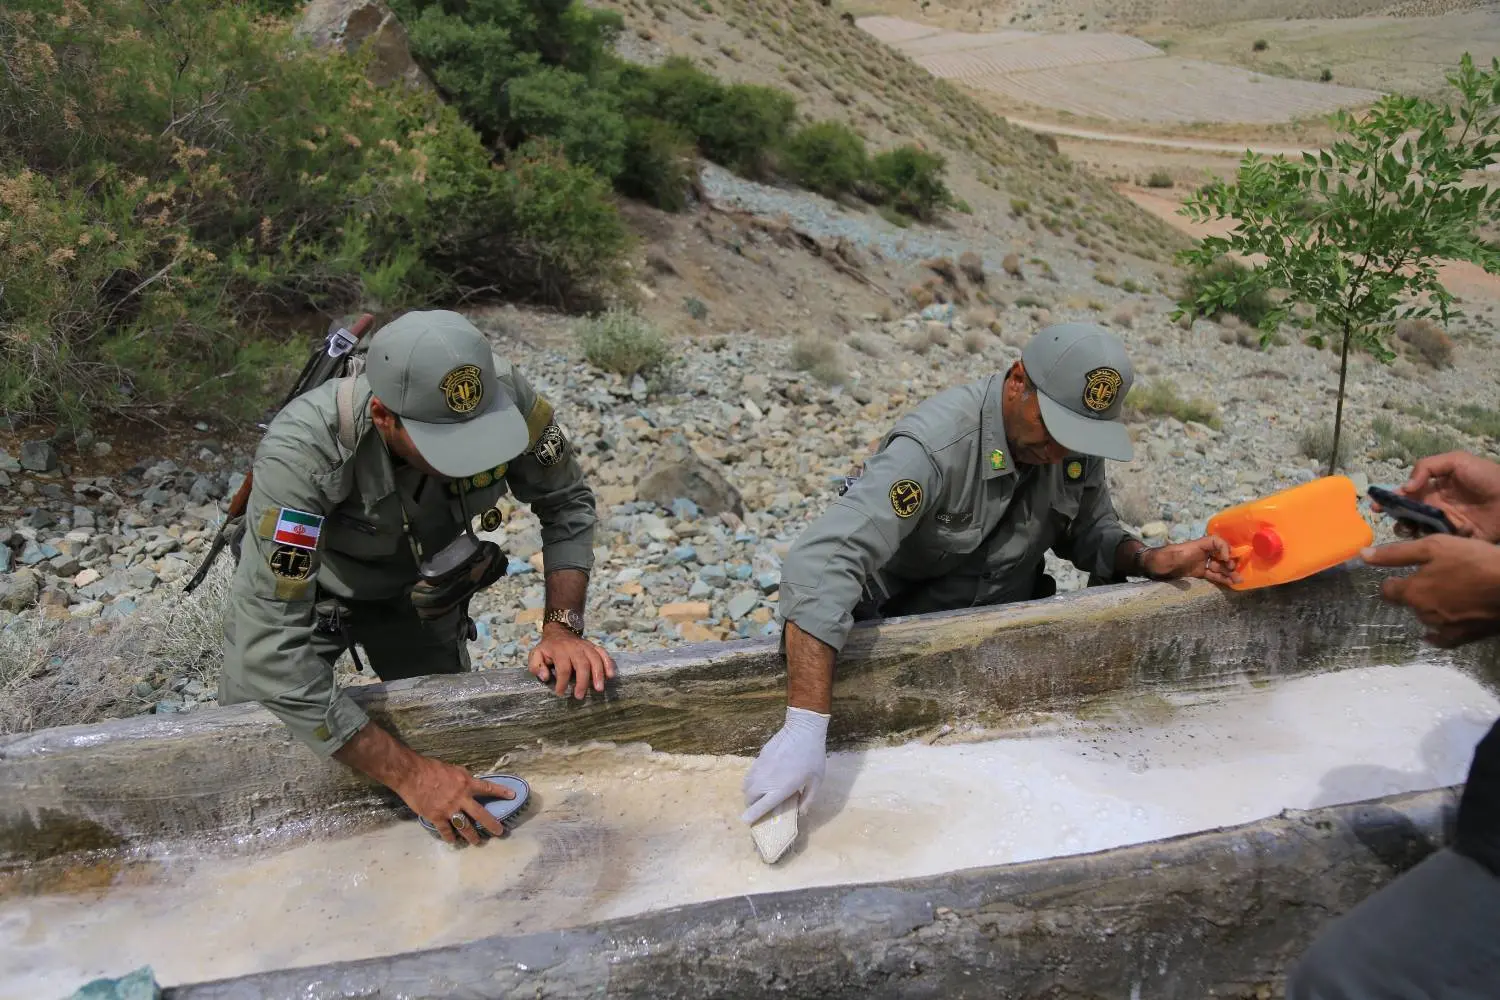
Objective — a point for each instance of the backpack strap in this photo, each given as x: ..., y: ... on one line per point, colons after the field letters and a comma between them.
x: 345, y: 395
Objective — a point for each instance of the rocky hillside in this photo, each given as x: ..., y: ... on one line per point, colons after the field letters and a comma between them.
x: 802, y: 330
x: 838, y: 71
x: 769, y: 423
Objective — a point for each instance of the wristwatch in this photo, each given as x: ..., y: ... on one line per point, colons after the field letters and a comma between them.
x: 1140, y: 562
x: 567, y: 618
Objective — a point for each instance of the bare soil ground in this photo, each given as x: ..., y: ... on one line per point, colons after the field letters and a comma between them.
x: 1111, y: 77
x: 1396, y: 54
x: 1072, y: 15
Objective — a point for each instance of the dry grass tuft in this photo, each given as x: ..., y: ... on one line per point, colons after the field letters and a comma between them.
x: 972, y: 266
x: 1427, y: 340
x: 70, y: 672
x: 820, y: 358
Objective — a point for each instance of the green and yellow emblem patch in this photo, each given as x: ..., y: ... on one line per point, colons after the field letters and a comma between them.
x: 1073, y: 470
x: 906, y: 497
x: 480, y: 480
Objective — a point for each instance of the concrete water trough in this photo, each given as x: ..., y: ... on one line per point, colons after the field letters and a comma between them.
x: 1137, y: 791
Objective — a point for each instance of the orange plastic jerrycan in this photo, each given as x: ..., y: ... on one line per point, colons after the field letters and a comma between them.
x: 1294, y: 533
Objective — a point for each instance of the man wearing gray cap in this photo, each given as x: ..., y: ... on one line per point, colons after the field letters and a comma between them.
x: 360, y: 529
x: 957, y: 509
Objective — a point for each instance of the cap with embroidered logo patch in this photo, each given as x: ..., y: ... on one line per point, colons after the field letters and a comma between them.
x: 435, y: 371
x: 1082, y: 374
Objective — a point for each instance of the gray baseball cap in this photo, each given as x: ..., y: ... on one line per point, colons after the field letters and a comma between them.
x: 435, y: 371
x: 1082, y: 374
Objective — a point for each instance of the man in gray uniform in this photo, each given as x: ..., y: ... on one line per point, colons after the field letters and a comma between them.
x: 958, y: 509
x: 359, y: 487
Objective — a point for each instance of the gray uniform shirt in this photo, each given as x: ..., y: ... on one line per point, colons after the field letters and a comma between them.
x: 366, y: 513
x: 943, y: 518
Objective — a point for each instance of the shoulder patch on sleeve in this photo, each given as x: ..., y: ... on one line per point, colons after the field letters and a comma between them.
x: 292, y: 567
x: 906, y: 497
x: 287, y: 526
x: 552, y: 447
x: 1074, y: 469
x: 538, y: 420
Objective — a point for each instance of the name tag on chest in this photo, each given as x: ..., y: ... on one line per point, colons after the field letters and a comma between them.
x: 954, y: 519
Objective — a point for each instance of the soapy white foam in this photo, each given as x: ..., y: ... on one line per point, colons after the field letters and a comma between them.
x: 617, y: 831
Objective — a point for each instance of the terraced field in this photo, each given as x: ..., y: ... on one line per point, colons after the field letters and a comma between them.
x: 1109, y: 77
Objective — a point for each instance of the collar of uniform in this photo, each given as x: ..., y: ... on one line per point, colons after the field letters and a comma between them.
x: 992, y: 432
x: 373, y: 472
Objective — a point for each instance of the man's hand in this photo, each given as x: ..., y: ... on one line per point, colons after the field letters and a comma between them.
x: 1207, y: 558
x: 1455, y: 590
x: 430, y: 788
x: 1465, y: 487
x: 792, y: 761
x: 569, y: 658
x: 437, y: 792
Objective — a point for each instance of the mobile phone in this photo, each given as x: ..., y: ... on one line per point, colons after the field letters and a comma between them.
x: 1424, y: 517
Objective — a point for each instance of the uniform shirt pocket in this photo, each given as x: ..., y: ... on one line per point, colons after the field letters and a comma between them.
x: 360, y: 538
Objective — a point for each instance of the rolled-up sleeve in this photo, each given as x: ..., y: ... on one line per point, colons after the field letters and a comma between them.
x: 827, y: 568
x: 1094, y: 536
x: 558, y: 493
x: 269, y: 655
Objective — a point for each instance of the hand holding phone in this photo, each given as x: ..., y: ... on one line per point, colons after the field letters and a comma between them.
x: 1423, y: 518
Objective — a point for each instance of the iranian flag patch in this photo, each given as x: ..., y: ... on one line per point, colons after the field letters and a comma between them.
x: 295, y: 527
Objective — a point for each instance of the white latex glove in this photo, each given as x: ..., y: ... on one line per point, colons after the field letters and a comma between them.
x: 792, y: 761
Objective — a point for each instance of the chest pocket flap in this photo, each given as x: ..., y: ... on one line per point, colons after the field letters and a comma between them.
x: 356, y: 536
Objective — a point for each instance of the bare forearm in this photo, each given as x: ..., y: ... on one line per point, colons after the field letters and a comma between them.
x: 809, y: 671
x: 567, y: 589
x: 1129, y: 559
x: 374, y: 752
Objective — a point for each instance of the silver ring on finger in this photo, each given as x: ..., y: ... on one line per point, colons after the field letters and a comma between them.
x: 459, y: 821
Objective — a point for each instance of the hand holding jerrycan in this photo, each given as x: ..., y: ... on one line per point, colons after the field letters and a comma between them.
x: 1294, y: 533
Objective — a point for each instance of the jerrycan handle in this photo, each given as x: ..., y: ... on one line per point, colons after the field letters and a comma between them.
x: 1265, y: 543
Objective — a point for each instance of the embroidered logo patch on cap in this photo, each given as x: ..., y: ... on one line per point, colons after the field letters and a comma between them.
x: 1100, y: 387
x: 463, y: 388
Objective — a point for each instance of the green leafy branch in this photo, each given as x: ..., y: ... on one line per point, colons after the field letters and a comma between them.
x: 1355, y: 233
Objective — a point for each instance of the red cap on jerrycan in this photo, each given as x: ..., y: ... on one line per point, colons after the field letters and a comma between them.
x: 1294, y: 533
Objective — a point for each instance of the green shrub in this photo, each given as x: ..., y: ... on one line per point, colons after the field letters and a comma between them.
x: 826, y: 157
x: 558, y: 104
x: 1203, y: 293
x: 236, y: 181
x: 1159, y: 179
x: 473, y: 50
x: 1325, y: 75
x: 567, y: 238
x: 660, y: 164
x: 911, y: 181
x: 1261, y: 45
x: 622, y: 342
x: 744, y: 126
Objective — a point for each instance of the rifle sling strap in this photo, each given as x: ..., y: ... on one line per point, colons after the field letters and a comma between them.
x: 346, y: 412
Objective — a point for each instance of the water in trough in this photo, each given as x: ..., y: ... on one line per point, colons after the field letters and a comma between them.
x: 622, y: 830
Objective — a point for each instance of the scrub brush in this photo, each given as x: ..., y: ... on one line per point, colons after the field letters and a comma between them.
x: 505, y: 810
x: 776, y: 831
